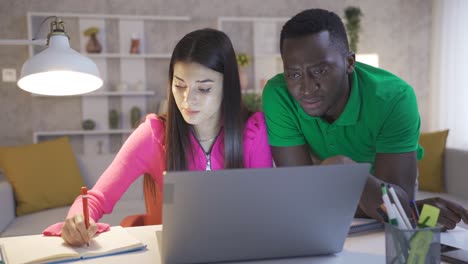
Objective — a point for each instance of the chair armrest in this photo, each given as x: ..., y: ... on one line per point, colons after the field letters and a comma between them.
x: 456, y: 166
x: 7, y: 203
x: 141, y: 220
x: 132, y: 220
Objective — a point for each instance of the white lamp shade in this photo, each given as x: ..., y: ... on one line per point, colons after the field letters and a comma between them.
x: 59, y: 70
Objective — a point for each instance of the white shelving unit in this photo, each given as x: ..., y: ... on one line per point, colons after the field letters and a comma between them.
x: 109, y: 93
x: 264, y: 47
x: 38, y: 134
x: 118, y: 68
x: 129, y: 56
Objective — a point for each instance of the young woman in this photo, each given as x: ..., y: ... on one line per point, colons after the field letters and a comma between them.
x: 206, y: 128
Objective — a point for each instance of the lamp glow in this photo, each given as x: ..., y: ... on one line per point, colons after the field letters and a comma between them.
x: 371, y: 59
x: 56, y: 83
x: 59, y: 70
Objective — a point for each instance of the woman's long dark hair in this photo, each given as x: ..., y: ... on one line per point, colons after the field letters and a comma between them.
x: 212, y: 49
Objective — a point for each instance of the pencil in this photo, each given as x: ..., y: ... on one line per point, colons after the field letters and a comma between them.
x: 84, y: 198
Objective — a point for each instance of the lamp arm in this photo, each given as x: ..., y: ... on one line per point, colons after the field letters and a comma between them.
x: 40, y: 42
x: 35, y: 41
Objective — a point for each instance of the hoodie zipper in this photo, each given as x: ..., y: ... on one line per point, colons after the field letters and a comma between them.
x: 208, y: 154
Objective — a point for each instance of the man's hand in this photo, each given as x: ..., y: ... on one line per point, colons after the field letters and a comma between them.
x: 450, y: 212
x: 367, y: 206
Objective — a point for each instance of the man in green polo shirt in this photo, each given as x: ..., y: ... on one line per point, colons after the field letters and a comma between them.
x: 326, y: 108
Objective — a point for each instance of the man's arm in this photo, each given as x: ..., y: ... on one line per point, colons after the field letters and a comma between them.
x: 291, y: 156
x: 400, y: 171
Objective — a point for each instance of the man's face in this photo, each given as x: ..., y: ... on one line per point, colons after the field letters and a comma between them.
x: 198, y: 92
x: 316, y: 73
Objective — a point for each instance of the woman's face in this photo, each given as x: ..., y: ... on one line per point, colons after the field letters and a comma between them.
x: 198, y: 93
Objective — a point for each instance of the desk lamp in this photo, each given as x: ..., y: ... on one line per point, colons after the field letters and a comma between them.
x: 58, y: 70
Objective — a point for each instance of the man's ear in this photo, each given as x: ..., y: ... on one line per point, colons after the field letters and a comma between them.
x: 350, y: 62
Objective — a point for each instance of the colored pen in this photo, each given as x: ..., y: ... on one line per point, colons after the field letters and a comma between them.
x: 415, y: 219
x: 382, y: 213
x: 399, y: 207
x: 424, y: 222
x: 84, y: 198
x: 388, y: 205
x: 415, y: 209
x: 399, y: 217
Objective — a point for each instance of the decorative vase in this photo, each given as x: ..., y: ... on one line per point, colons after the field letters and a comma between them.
x: 135, y: 44
x: 243, y: 78
x: 135, y: 116
x: 99, y: 145
x: 93, y: 45
x: 139, y: 86
x: 121, y: 87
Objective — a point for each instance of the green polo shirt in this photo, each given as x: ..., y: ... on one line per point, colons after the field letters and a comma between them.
x: 381, y: 116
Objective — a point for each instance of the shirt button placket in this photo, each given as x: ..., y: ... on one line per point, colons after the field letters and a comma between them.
x: 332, y: 140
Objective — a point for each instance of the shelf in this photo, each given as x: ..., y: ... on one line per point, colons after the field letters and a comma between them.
x: 38, y: 134
x: 272, y: 55
x: 252, y: 19
x: 112, y: 16
x: 106, y: 93
x: 128, y: 56
x: 123, y: 93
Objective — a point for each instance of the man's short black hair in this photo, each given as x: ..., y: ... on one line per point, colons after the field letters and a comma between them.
x: 314, y: 21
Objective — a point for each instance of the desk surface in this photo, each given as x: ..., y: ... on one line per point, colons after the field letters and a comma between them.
x: 359, y: 248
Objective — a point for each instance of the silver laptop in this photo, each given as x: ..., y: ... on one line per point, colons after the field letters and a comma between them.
x: 249, y: 214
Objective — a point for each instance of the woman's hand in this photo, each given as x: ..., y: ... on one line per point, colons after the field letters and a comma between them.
x: 74, y: 231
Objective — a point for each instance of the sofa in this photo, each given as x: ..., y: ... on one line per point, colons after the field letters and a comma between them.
x: 91, y: 167
x: 132, y: 202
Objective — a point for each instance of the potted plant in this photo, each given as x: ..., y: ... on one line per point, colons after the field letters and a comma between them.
x: 243, y: 60
x: 114, y: 119
x: 135, y: 116
x: 253, y: 101
x: 88, y: 124
x: 353, y: 25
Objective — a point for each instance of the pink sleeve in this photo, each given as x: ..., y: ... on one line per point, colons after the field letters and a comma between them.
x: 143, y: 152
x: 257, y: 153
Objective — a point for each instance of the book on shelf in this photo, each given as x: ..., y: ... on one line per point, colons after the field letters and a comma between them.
x: 359, y: 225
x: 52, y: 249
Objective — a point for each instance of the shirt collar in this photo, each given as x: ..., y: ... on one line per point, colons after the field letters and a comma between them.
x: 350, y: 114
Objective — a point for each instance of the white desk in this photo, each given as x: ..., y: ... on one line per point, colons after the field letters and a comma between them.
x: 360, y: 248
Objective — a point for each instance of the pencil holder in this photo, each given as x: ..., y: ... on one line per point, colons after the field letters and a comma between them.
x: 421, y: 245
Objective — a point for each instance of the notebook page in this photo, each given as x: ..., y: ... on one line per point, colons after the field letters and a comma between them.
x: 117, y: 239
x: 35, y: 249
x: 363, y: 224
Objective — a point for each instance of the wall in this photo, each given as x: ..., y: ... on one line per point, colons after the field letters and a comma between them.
x: 398, y: 30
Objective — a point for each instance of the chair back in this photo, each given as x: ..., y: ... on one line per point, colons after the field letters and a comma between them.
x: 153, y: 204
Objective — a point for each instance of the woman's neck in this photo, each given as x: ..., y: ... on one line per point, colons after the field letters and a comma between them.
x: 207, y: 130
x: 203, y: 133
x: 206, y: 136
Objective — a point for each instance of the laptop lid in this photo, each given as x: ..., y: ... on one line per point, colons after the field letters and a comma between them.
x: 246, y: 214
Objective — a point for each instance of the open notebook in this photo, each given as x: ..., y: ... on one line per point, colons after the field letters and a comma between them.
x: 40, y: 249
x: 364, y: 224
